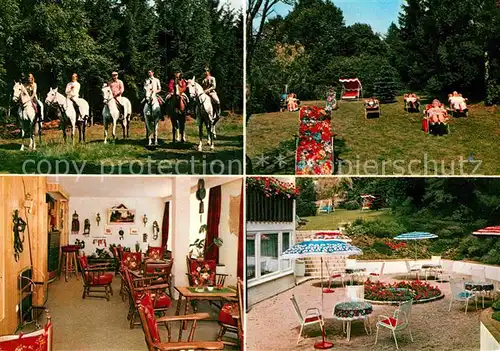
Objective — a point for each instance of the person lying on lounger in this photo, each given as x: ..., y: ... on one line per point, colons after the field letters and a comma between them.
x: 437, y: 113
x: 457, y: 102
x: 292, y: 103
x: 371, y: 103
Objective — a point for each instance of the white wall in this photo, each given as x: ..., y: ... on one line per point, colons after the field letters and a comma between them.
x: 228, y: 253
x: 88, y: 207
x: 488, y: 341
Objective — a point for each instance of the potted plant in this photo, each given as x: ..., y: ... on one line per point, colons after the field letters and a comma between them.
x: 199, y: 250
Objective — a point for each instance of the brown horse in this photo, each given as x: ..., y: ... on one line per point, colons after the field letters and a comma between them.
x: 177, y: 113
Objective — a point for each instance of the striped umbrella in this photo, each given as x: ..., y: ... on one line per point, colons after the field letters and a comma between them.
x: 321, y: 247
x: 488, y: 232
x: 415, y: 236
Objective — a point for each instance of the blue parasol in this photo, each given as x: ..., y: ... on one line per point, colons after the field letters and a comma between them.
x: 415, y: 236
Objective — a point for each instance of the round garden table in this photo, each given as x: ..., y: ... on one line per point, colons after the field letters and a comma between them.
x: 351, y: 311
x: 481, y: 287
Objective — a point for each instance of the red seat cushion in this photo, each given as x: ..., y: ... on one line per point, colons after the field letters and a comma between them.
x: 225, y: 314
x: 336, y: 276
x: 390, y: 321
x: 312, y: 319
x: 375, y: 274
x: 102, y: 279
x: 163, y: 301
x: 350, y: 94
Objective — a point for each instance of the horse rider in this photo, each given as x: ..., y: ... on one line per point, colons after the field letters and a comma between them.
x: 209, y: 86
x: 31, y: 88
x: 152, y: 83
x: 73, y: 94
x: 177, y: 86
x: 117, y: 88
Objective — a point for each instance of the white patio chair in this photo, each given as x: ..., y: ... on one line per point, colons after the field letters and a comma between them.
x: 377, y: 273
x: 399, y: 320
x: 437, y: 270
x: 355, y: 293
x: 333, y: 274
x: 458, y: 293
x: 478, y: 274
x: 313, y: 316
x: 412, y: 269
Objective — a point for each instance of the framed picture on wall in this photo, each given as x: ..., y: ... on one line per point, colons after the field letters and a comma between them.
x: 108, y: 231
x: 121, y: 215
x: 134, y: 231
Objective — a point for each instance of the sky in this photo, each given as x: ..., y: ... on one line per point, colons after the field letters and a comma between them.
x: 377, y: 13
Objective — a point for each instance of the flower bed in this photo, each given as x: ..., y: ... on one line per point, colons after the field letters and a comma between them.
x: 315, y: 149
x: 401, y: 291
x: 272, y: 187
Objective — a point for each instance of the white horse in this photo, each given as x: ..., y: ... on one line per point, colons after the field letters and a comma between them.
x: 110, y: 112
x: 26, y: 113
x: 152, y: 114
x: 205, y: 113
x: 69, y: 114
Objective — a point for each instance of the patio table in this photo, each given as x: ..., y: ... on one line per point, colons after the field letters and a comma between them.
x: 481, y: 287
x: 350, y: 311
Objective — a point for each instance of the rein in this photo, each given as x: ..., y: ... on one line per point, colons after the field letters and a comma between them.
x: 18, y: 229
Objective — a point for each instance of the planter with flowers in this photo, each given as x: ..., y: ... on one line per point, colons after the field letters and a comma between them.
x: 269, y: 199
x: 386, y: 293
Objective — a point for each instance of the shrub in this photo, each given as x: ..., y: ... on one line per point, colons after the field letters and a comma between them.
x: 496, y: 305
x: 382, y: 248
x: 351, y: 205
x: 496, y: 316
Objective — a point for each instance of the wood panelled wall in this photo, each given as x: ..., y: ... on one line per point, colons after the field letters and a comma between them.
x: 12, y: 197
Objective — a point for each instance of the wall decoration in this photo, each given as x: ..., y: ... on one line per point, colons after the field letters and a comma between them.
x: 144, y: 238
x: 86, y: 227
x: 98, y: 218
x: 234, y: 214
x: 120, y: 233
x: 144, y: 219
x: 121, y: 215
x: 156, y: 230
x: 100, y: 242
x: 134, y: 231
x: 75, y: 224
x: 80, y: 243
x: 201, y: 192
x: 108, y: 231
x: 18, y: 228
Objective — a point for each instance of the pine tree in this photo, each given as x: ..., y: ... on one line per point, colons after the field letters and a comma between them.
x: 306, y: 202
x: 385, y: 87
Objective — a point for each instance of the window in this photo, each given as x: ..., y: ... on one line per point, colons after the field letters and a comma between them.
x: 264, y: 250
x: 250, y: 255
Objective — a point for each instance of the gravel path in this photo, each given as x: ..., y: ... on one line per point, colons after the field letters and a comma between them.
x: 273, y: 324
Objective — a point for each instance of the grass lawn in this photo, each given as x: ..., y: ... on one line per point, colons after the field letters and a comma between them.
x: 127, y: 156
x: 393, y: 144
x: 332, y: 221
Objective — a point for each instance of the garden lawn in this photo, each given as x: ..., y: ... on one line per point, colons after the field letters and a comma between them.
x: 333, y: 220
x: 391, y: 144
x: 128, y: 156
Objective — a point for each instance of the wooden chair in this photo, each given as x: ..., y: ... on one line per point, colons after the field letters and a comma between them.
x: 399, y: 320
x: 155, y: 253
x: 131, y: 261
x: 95, y: 279
x: 192, y: 264
x: 160, y: 272
x: 313, y: 316
x: 151, y: 332
x: 38, y: 340
x: 231, y: 317
x: 137, y: 286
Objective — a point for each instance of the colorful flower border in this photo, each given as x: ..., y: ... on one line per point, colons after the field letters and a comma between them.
x: 272, y: 187
x: 417, y: 290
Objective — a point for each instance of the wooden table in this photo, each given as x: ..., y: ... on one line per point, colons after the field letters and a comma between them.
x: 190, y: 296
